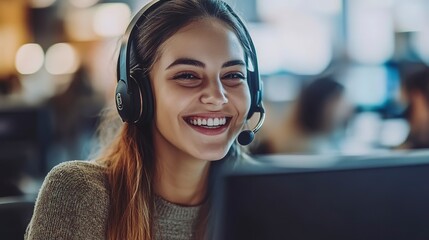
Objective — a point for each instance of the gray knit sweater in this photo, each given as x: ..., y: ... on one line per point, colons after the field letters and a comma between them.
x: 73, y: 203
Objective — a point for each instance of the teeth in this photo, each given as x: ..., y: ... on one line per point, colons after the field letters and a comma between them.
x: 210, y: 122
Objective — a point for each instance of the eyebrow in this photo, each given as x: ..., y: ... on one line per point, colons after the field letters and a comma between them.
x: 196, y: 63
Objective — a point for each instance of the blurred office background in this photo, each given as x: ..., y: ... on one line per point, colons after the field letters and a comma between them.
x: 57, y: 72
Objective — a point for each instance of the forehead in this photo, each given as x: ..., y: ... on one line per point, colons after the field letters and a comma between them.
x: 203, y: 39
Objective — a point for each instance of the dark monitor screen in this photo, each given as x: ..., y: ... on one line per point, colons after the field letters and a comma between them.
x: 373, y: 198
x: 25, y: 134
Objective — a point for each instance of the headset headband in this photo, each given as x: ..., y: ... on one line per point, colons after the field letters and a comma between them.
x: 124, y: 54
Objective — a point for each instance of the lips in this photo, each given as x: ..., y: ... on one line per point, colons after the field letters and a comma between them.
x: 208, y: 125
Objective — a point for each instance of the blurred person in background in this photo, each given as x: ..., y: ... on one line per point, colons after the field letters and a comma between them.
x: 415, y: 94
x: 152, y: 180
x: 311, y: 123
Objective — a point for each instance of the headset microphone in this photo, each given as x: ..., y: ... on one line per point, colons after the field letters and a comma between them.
x: 247, y: 136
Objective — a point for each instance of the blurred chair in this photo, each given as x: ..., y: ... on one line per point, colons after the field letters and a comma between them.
x: 15, y: 214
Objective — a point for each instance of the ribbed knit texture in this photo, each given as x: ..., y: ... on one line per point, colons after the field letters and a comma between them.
x: 73, y: 203
x: 174, y: 222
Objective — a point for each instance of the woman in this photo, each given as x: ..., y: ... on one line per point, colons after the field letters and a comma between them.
x: 190, y: 69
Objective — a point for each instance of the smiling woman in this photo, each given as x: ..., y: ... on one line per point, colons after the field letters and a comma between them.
x: 187, y: 83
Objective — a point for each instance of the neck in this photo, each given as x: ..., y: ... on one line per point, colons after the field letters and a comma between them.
x: 180, y: 178
x: 181, y: 183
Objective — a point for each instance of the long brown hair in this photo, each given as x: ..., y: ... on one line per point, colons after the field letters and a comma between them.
x: 129, y: 155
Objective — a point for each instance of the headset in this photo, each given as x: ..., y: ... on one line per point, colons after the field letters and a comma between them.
x: 134, y: 98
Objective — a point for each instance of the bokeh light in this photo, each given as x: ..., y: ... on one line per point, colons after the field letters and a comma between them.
x: 111, y: 19
x: 29, y: 58
x: 41, y: 3
x: 61, y: 58
x: 83, y: 3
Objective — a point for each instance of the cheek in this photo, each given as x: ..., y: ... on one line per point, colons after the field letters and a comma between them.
x: 170, y: 103
x: 163, y: 99
x: 242, y: 102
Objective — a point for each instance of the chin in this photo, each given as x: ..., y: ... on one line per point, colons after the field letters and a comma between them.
x: 212, y: 154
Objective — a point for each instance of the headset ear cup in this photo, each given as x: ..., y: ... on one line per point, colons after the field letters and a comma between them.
x: 124, y: 102
x: 128, y: 102
x: 144, y: 98
x: 135, y: 95
x: 252, y: 97
x: 252, y: 80
x: 147, y: 100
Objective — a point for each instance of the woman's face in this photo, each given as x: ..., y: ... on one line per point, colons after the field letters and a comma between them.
x: 201, y: 92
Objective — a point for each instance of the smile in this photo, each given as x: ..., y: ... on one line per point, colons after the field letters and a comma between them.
x: 207, y: 122
x: 208, y: 125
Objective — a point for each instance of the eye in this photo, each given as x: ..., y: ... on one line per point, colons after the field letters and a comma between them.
x: 185, y: 76
x: 233, y: 79
x: 187, y: 79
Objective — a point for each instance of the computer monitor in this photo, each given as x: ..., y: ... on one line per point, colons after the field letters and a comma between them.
x: 380, y: 197
x: 25, y: 134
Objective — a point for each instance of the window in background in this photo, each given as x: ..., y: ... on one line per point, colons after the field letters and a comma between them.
x: 268, y: 46
x: 420, y: 44
x: 287, y: 33
x: 367, y: 85
x: 410, y: 15
x: 370, y: 31
x: 281, y: 88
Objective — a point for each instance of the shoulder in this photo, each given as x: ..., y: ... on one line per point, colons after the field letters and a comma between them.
x: 77, y: 172
x: 79, y: 166
x: 75, y: 181
x: 73, y: 201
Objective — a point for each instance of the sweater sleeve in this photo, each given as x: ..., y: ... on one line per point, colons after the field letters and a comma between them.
x: 72, y: 204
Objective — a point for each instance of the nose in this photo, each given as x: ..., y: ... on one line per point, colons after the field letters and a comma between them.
x: 214, y: 94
